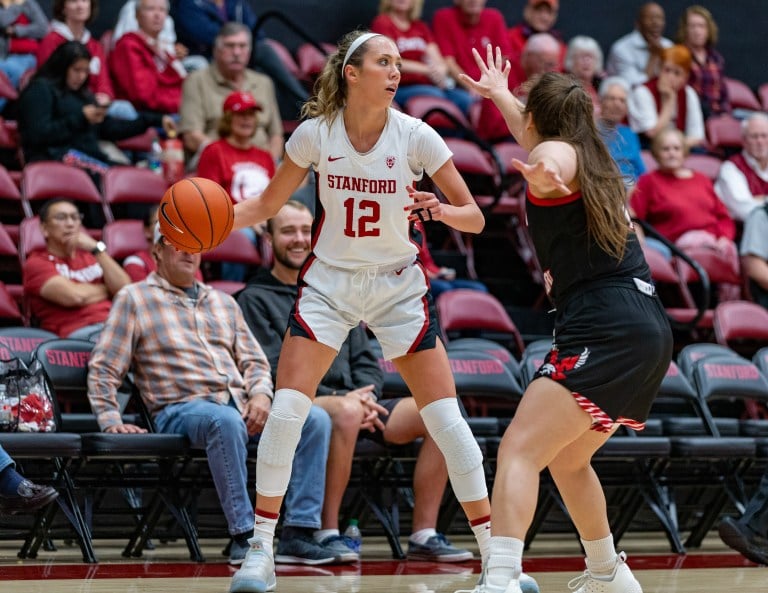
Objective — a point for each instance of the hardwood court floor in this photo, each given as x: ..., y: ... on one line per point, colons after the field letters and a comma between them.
x: 553, y: 562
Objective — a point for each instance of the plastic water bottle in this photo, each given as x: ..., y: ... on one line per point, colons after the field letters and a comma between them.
x: 172, y: 158
x: 352, y: 536
x: 5, y: 411
x: 155, y: 160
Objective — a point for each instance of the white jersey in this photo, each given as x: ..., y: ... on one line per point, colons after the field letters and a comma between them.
x: 360, y: 219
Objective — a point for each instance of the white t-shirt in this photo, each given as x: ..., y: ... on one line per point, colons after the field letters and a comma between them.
x: 362, y: 221
x: 643, y: 114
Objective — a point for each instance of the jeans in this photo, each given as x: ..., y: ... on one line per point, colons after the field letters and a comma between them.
x: 14, y: 65
x: 438, y: 285
x: 220, y: 430
x: 6, y: 461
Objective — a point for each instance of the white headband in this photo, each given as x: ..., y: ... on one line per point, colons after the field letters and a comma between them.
x: 354, y: 45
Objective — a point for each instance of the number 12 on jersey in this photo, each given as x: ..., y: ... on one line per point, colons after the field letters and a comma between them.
x: 361, y: 218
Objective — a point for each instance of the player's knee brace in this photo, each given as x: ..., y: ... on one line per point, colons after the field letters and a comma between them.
x: 279, y: 440
x: 455, y: 440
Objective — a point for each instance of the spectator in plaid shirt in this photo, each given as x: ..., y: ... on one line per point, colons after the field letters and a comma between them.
x: 698, y: 32
x: 201, y: 373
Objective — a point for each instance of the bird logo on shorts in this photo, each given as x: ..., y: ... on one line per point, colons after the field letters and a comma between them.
x: 557, y: 369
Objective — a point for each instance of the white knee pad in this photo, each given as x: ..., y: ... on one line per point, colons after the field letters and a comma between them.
x: 463, y: 457
x: 279, y: 440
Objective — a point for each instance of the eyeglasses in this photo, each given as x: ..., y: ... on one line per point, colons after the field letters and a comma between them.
x: 62, y: 216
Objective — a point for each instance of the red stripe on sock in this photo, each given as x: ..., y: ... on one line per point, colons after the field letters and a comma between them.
x: 480, y: 520
x: 267, y: 515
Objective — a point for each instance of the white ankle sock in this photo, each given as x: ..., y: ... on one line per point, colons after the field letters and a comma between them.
x: 422, y: 535
x: 264, y: 529
x: 504, y: 561
x: 601, y: 555
x: 482, y: 531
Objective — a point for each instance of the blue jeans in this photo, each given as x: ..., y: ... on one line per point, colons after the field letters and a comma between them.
x: 5, y: 459
x: 220, y: 430
x: 14, y: 65
x: 438, y: 286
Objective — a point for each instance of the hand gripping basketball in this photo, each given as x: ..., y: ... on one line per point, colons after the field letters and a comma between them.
x: 195, y: 215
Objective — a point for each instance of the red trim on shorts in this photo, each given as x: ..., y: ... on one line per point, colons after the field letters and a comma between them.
x: 425, y: 304
x: 297, y: 315
x: 602, y: 422
x: 552, y: 201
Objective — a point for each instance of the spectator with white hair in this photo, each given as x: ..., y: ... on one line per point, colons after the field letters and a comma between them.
x: 742, y: 183
x: 541, y: 54
x: 623, y: 144
x: 584, y: 59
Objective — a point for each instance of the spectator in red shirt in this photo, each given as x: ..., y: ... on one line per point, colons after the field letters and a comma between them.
x: 71, y: 281
x: 143, y: 70
x: 457, y: 29
x: 680, y: 203
x: 70, y: 20
x: 539, y: 16
x: 22, y: 25
x: 235, y: 163
x: 424, y: 70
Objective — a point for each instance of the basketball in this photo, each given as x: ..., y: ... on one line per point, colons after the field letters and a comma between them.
x: 195, y: 215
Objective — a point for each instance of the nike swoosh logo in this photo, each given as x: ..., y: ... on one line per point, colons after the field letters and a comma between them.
x: 334, y: 158
x: 168, y: 220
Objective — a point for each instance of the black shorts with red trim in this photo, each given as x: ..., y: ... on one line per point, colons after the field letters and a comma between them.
x: 612, y: 348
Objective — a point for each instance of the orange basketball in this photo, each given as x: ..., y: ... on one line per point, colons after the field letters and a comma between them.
x: 195, y: 214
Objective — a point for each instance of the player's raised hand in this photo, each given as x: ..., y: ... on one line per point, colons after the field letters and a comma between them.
x: 494, y: 72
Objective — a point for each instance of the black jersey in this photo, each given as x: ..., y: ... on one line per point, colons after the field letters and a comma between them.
x: 569, y: 253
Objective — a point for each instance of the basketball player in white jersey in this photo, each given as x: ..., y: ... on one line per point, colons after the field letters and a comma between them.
x: 363, y: 267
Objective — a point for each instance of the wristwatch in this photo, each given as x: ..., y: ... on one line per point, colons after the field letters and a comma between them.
x: 100, y: 248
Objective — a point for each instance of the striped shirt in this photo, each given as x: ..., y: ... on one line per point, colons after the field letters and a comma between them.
x: 178, y: 348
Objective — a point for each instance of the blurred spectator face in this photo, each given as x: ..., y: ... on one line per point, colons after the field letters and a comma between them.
x: 232, y: 53
x: 177, y: 267
x: 151, y: 15
x: 541, y: 16
x: 61, y: 225
x: 613, y: 104
x: 651, y: 21
x: 756, y: 138
x: 244, y: 125
x: 291, y: 234
x: 696, y: 30
x: 669, y: 151
x: 78, y: 11
x: 584, y: 65
x: 77, y: 74
x: 471, y: 9
x: 675, y: 76
x: 541, y: 56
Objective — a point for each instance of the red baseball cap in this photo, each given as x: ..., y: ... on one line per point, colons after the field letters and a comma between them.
x: 240, y: 101
x: 553, y: 4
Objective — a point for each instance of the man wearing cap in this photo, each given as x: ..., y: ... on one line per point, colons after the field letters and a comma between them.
x: 539, y: 16
x: 204, y: 92
x: 201, y: 373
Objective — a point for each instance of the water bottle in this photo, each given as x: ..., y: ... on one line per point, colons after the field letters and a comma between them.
x: 352, y: 536
x: 155, y: 160
x: 172, y: 158
x: 5, y: 410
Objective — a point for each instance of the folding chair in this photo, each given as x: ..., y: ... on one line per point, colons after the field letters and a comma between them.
x: 11, y: 207
x: 740, y: 95
x: 741, y: 326
x: 10, y: 314
x: 311, y: 60
x: 45, y: 180
x: 124, y: 238
x: 124, y: 463
x: 21, y: 342
x: 705, y: 164
x: 723, y: 135
x: 236, y: 248
x: 472, y: 313
x: 130, y: 191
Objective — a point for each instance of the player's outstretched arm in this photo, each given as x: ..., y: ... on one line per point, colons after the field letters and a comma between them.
x: 255, y: 210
